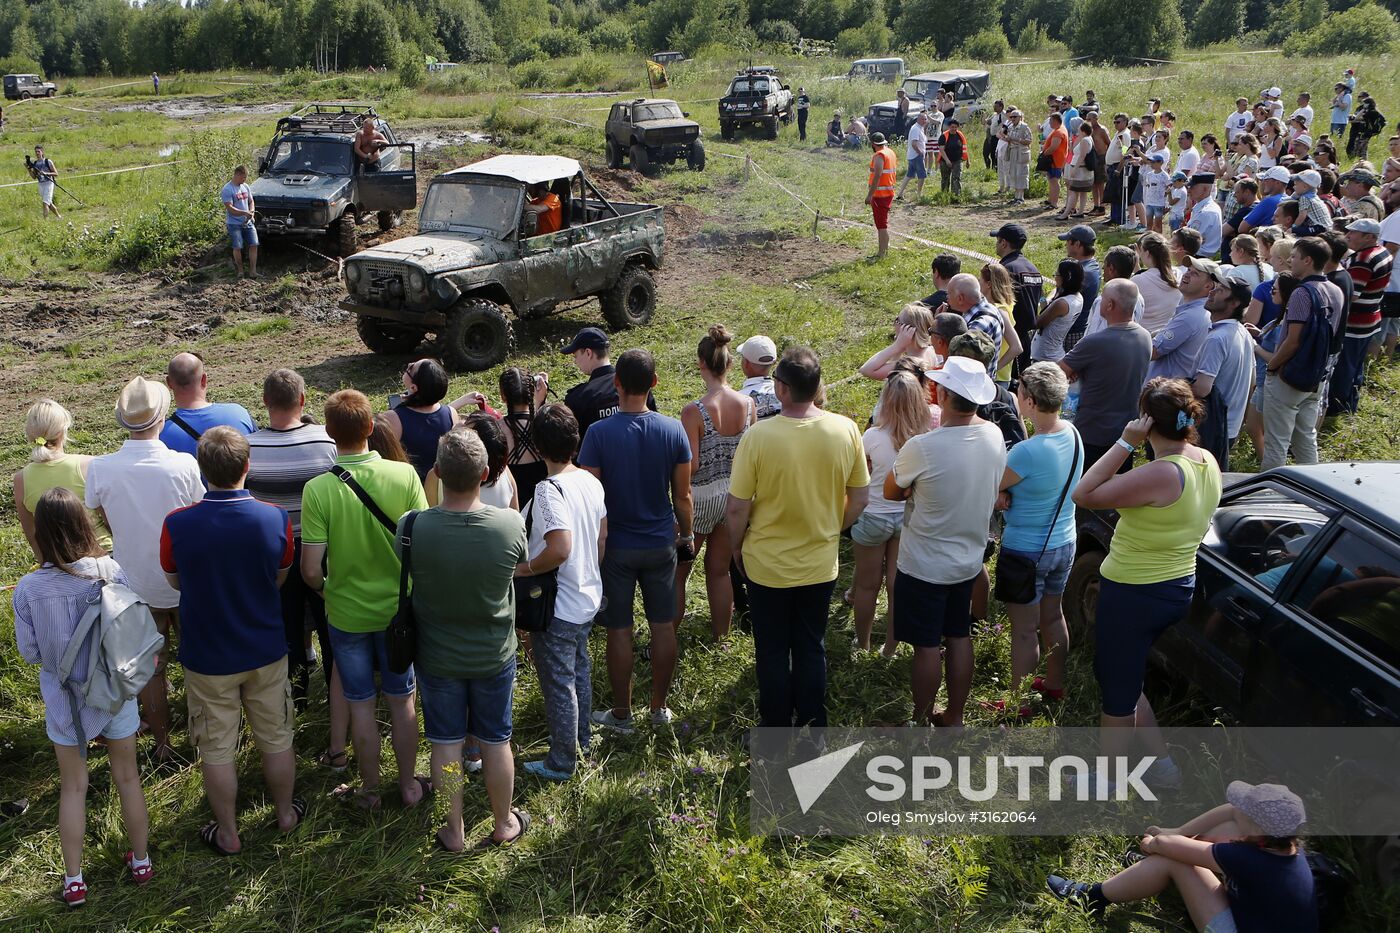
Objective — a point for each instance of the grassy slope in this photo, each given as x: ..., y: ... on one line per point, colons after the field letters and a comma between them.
x: 611, y: 851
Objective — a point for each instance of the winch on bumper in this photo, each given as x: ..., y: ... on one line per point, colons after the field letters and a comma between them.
x: 397, y: 292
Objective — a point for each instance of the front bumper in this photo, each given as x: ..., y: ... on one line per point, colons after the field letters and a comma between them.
x: 402, y: 314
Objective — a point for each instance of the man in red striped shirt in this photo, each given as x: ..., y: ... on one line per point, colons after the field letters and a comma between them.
x: 1369, y: 266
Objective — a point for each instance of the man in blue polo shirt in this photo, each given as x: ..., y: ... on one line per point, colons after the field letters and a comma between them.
x: 1272, y: 183
x: 228, y: 555
x: 194, y: 413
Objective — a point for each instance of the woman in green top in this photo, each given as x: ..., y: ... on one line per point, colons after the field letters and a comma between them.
x: 46, y: 426
x: 1164, y: 510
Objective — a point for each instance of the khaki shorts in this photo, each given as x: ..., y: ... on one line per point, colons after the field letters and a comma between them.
x: 264, y: 695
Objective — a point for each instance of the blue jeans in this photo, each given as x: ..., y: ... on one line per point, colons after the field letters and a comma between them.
x: 357, y: 654
x: 455, y: 707
x: 1344, y: 388
x: 789, y: 628
x: 566, y: 681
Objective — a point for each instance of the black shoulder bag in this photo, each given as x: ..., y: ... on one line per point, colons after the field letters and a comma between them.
x: 401, y: 637
x: 183, y: 425
x: 535, y: 595
x: 1016, y: 572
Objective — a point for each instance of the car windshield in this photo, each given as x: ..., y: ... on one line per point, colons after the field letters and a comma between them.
x: 455, y: 205
x: 657, y: 112
x: 750, y: 86
x: 322, y: 156
x: 922, y: 88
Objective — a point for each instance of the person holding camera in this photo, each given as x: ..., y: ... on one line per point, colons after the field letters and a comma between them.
x: 46, y: 173
x: 643, y: 461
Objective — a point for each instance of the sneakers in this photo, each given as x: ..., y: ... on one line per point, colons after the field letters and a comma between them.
x: 140, y: 874
x: 75, y: 893
x: 1077, y: 892
x: 662, y: 716
x: 539, y: 770
x: 1038, y: 685
x: 606, y: 719
x: 471, y: 766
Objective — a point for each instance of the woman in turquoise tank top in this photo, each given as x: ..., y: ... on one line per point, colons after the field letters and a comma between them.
x: 46, y: 427
x: 1164, y: 510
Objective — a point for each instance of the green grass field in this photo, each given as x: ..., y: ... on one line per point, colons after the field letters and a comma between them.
x: 653, y: 834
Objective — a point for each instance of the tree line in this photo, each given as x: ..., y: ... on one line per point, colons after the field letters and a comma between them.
x: 98, y: 37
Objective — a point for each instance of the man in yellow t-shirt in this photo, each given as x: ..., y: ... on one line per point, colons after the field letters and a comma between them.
x: 798, y: 480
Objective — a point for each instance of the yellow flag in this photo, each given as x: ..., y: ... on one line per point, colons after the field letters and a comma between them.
x: 656, y: 72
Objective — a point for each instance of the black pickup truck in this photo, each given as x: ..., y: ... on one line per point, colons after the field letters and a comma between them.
x: 756, y: 97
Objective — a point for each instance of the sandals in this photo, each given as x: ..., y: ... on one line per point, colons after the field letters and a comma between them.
x: 299, y: 807
x: 209, y: 835
x: 336, y: 762
x: 491, y: 842
x: 427, y: 785
x: 1023, y: 714
x: 363, y: 799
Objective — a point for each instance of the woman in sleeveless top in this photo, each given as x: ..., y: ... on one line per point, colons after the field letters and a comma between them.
x: 421, y: 417
x: 1058, y: 317
x: 523, y: 394
x: 1165, y: 509
x: 46, y: 427
x: 714, y: 424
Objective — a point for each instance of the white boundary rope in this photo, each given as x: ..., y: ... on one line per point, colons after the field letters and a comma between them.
x: 115, y: 171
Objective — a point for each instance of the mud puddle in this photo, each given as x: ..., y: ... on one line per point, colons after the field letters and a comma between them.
x: 189, y: 107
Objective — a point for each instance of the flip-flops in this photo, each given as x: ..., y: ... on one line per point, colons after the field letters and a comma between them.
x: 299, y: 807
x: 209, y: 835
x: 364, y: 799
x: 491, y: 842
x: 337, y: 762
x: 427, y: 786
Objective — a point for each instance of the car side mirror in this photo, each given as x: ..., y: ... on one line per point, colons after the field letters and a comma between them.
x: 262, y: 166
x: 685, y: 113
x: 529, y: 223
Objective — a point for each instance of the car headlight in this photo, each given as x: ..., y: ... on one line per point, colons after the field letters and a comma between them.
x: 417, y: 281
x: 352, y: 272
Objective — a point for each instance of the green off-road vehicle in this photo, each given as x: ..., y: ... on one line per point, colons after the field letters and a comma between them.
x: 477, y: 252
x: 310, y: 182
x: 650, y: 132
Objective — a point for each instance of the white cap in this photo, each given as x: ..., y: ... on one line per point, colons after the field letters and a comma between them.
x: 759, y: 350
x: 1305, y: 139
x: 1274, y: 92
x: 1310, y: 177
x: 1278, y: 173
x: 965, y: 377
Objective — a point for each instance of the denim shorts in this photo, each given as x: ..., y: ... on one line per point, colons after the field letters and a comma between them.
x: 1051, y: 570
x: 1154, y: 212
x: 122, y: 726
x: 1223, y: 922
x: 357, y: 654
x: 916, y: 168
x: 242, y: 235
x: 875, y: 529
x: 624, y: 569
x: 1054, y: 172
x: 455, y: 707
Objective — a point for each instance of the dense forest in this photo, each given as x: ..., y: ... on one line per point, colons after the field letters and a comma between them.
x: 91, y: 37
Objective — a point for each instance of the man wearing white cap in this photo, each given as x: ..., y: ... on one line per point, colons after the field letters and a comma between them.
x: 1314, y: 216
x: 757, y: 357
x: 951, y: 476
x: 134, y: 489
x: 1301, y: 147
x: 1272, y: 184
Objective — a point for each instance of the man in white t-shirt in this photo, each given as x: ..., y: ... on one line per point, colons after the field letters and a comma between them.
x: 1190, y: 156
x: 914, y: 152
x: 568, y: 528
x: 1238, y: 122
x: 1305, y: 109
x: 134, y: 489
x: 950, y: 475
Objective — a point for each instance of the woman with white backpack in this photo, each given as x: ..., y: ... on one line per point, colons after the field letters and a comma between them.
x: 49, y: 603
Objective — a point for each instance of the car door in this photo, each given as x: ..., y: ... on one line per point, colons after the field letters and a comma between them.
x: 1330, y: 655
x: 619, y: 115
x: 395, y: 186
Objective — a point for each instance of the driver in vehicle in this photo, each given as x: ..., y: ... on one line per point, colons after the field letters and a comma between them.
x: 369, y: 145
x: 545, y: 205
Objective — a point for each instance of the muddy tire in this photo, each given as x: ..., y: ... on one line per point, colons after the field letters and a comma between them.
x: 345, y: 239
x: 1081, y: 599
x: 695, y: 158
x: 726, y: 131
x: 50, y: 92
x: 614, y: 155
x: 24, y: 95
x: 388, y: 220
x: 641, y: 164
x: 388, y: 337
x: 770, y: 128
x: 477, y: 336
x: 632, y: 301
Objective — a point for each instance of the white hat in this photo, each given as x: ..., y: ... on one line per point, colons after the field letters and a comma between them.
x: 759, y: 350
x: 1305, y: 139
x: 1278, y: 173
x: 1274, y: 92
x: 1311, y: 177
x: 965, y: 377
x: 142, y: 403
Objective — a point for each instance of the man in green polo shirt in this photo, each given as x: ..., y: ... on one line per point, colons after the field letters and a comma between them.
x: 360, y: 580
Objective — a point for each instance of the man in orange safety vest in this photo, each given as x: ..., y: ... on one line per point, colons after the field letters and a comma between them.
x: 881, y: 189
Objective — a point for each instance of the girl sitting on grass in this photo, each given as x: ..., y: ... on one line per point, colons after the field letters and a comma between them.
x: 1252, y: 841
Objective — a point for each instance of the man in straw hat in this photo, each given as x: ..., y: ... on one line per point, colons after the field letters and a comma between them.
x: 134, y: 489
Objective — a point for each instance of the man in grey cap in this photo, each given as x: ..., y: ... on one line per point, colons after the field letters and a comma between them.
x: 1357, y: 199
x: 1370, y: 266
x: 134, y: 489
x: 880, y: 191
x: 1080, y: 243
x: 1177, y: 347
x: 1205, y: 216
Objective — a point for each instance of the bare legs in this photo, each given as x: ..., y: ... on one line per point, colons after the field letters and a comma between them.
x: 719, y: 590
x: 1202, y: 891
x: 874, y: 564
x: 364, y: 736
x: 72, y: 801
x: 926, y: 676
x: 663, y: 666
x: 1036, y: 627
x: 155, y: 706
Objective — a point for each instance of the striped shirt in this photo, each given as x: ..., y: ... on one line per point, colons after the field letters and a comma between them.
x: 1370, y: 271
x: 48, y: 604
x: 284, y: 461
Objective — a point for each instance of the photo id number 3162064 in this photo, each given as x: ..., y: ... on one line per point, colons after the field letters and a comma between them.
x: 946, y: 817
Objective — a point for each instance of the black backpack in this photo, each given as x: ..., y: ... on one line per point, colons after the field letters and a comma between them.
x: 1308, y: 365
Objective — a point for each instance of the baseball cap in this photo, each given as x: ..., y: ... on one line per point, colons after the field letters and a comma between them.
x: 141, y: 404
x: 1362, y: 175
x: 1364, y: 225
x: 1209, y: 267
x: 1239, y: 289
x: 1305, y: 139
x: 1274, y: 808
x: 1157, y: 157
x: 965, y: 377
x: 1311, y: 177
x: 1274, y: 92
x: 1080, y: 233
x: 1178, y: 176
x: 1278, y: 173
x: 877, y: 139
x: 1015, y: 234
x: 760, y: 350
x: 590, y: 338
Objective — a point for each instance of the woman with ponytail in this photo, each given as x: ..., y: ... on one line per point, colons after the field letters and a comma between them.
x: 46, y: 427
x: 714, y: 423
x: 523, y: 395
